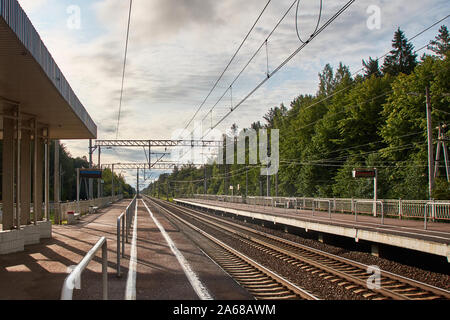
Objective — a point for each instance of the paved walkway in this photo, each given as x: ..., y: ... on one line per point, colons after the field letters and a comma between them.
x: 39, y: 271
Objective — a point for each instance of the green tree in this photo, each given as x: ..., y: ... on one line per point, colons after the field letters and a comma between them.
x: 441, y: 44
x: 402, y: 58
x: 371, y: 68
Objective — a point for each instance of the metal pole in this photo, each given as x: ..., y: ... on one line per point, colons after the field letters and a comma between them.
x: 118, y: 245
x: 91, y: 181
x: 56, y: 195
x: 246, y: 182
x: 137, y: 183
x: 204, y: 184
x: 430, y: 144
x: 105, y: 270
x: 438, y: 153
x: 446, y: 159
x: 276, y: 184
x: 99, y: 193
x: 112, y: 181
x: 36, y: 201
x: 47, y: 177
x: 375, y: 193
x: 18, y: 200
x: 78, y: 189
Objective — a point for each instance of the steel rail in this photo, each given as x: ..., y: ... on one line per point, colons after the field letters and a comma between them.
x: 297, y: 291
x: 387, y: 275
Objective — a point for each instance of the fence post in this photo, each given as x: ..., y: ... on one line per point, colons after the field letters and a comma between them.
x: 400, y: 208
x: 105, y: 270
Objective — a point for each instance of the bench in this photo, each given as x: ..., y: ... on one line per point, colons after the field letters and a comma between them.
x: 72, y: 217
x: 93, y: 209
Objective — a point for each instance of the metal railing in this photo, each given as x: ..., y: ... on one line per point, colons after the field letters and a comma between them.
x: 74, y: 278
x: 373, y: 202
x: 437, y: 211
x: 84, y: 205
x: 319, y: 201
x: 123, y: 230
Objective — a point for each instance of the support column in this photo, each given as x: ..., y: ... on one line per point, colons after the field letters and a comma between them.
x: 56, y: 193
x: 25, y: 177
x: 8, y: 174
x: 375, y: 249
x: 38, y: 166
x: 112, y: 181
x: 18, y: 171
x: 91, y: 181
x: 99, y: 181
x: 430, y: 144
x: 47, y: 176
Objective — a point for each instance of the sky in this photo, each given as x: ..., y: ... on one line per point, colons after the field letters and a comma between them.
x: 178, y: 49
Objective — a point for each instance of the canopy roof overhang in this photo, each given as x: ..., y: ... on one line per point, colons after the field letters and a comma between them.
x: 30, y: 79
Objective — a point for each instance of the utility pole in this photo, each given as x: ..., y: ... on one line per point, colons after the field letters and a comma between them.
x: 276, y: 184
x: 375, y: 192
x: 91, y: 181
x: 430, y: 144
x: 442, y: 141
x: 99, y: 182
x: 112, y: 180
x: 204, y: 183
x: 137, y: 183
x: 246, y: 182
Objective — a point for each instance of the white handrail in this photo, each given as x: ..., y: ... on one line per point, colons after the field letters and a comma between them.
x: 125, y: 220
x: 74, y: 277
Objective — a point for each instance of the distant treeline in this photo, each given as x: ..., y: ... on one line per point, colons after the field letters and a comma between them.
x: 68, y: 166
x: 374, y: 119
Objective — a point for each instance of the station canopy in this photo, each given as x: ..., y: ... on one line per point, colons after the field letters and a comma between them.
x: 30, y: 78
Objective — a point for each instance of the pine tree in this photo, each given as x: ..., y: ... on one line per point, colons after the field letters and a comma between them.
x: 402, y: 58
x: 441, y: 44
x: 371, y: 68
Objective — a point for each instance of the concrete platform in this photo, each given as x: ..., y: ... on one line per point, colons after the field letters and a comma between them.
x: 394, y: 232
x: 14, y: 240
x: 39, y: 271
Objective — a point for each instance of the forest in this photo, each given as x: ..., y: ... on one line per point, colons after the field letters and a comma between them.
x: 375, y: 118
x: 68, y: 177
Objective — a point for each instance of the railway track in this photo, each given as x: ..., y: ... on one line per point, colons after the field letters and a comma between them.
x: 259, y: 281
x: 346, y: 273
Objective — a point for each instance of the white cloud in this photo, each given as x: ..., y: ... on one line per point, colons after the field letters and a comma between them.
x: 30, y: 5
x: 178, y: 48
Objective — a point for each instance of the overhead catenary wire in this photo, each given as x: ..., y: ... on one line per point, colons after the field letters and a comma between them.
x: 320, y: 30
x: 385, y: 54
x: 124, y: 68
x: 296, y: 22
x: 228, y: 65
x: 324, y: 26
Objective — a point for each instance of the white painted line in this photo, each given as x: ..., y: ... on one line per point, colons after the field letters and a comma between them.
x: 197, y: 285
x: 130, y: 293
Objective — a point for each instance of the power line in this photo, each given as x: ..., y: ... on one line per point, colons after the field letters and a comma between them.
x: 385, y: 54
x: 251, y: 58
x: 324, y: 26
x: 124, y: 67
x: 296, y: 22
x: 228, y: 65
